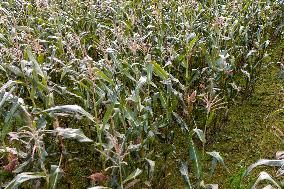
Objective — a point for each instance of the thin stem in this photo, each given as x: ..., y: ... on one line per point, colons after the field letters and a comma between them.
x: 120, y: 175
x: 99, y: 130
x: 205, y: 129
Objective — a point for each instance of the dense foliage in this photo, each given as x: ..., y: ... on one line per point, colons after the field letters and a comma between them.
x: 96, y: 93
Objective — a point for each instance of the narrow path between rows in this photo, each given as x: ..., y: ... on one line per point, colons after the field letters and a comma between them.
x: 248, y: 135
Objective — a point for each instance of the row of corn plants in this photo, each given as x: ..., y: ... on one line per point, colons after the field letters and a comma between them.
x: 97, y: 93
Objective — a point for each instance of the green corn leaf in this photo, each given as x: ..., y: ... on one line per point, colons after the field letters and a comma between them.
x: 23, y: 177
x: 160, y: 71
x: 36, y: 66
x: 70, y: 109
x: 210, y: 118
x: 265, y: 176
x: 6, y: 128
x: 54, y: 176
x: 6, y: 96
x: 108, y: 113
x: 12, y: 111
x: 69, y: 133
x: 129, y: 114
x: 184, y: 173
x: 193, y: 155
x: 181, y: 122
x: 200, y: 135
x: 151, y: 168
x: 163, y: 100
x: 133, y: 175
x: 267, y: 162
x: 216, y: 158
x: 103, y: 76
x: 192, y: 43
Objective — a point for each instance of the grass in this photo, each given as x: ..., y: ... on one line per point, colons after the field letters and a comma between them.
x: 248, y: 135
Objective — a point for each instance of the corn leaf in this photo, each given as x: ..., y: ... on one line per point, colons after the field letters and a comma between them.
x: 265, y: 176
x: 216, y: 158
x: 54, y: 177
x: 36, y: 66
x: 200, y: 135
x: 267, y: 162
x: 193, y: 155
x: 70, y: 133
x: 70, y: 109
x: 160, y: 71
x: 23, y: 177
x: 184, y: 173
x: 133, y: 175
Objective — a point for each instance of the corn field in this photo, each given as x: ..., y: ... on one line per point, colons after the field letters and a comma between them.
x: 128, y: 93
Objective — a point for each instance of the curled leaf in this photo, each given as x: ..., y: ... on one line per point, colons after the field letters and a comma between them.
x: 200, y: 135
x: 267, y: 162
x: 216, y: 158
x: 70, y: 109
x: 23, y: 177
x: 73, y: 134
x: 133, y: 175
x: 265, y: 176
